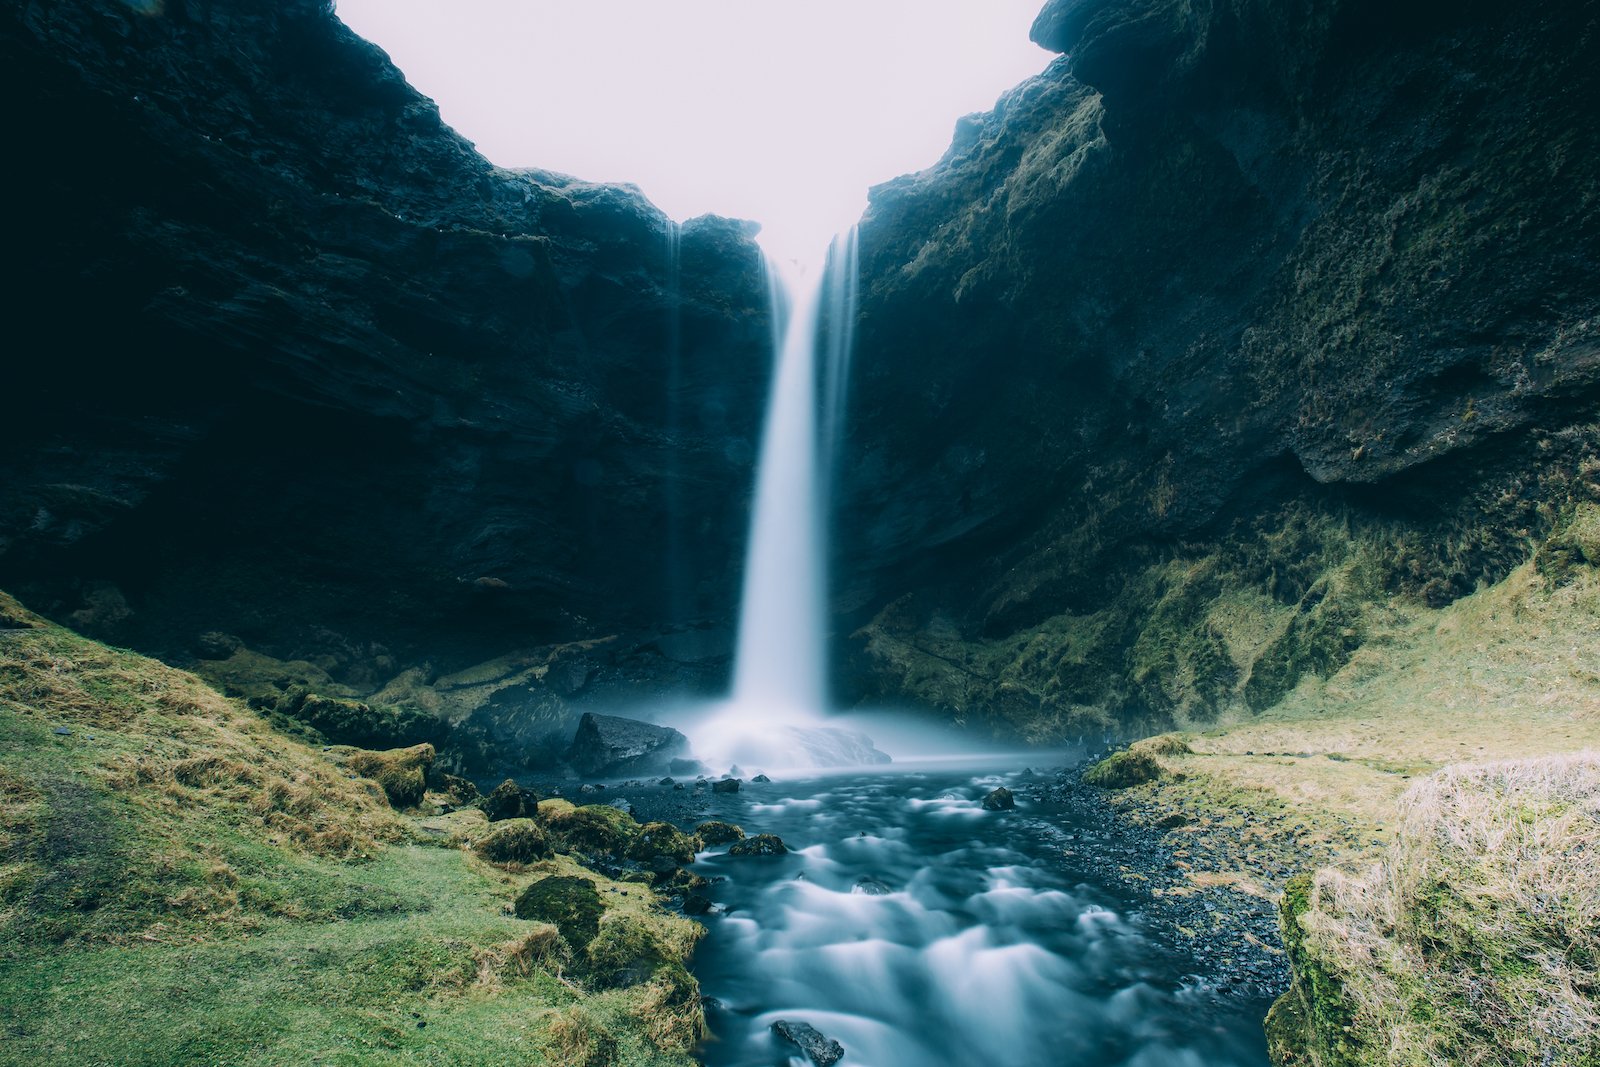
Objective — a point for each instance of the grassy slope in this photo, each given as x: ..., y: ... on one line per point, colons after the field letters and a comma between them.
x: 180, y: 884
x: 1509, y: 673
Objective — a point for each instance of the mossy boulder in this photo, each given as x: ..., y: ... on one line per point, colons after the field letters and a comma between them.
x: 1123, y: 770
x: 759, y: 845
x: 508, y: 800
x: 663, y: 846
x: 514, y: 841
x: 571, y: 905
x: 354, y: 722
x: 719, y: 833
x: 401, y: 772
x: 625, y: 953
x: 459, y: 790
x: 593, y: 828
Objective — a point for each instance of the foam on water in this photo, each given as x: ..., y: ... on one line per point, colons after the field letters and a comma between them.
x: 981, y: 952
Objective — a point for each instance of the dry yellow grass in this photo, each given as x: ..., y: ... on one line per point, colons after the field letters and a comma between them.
x: 1474, y: 943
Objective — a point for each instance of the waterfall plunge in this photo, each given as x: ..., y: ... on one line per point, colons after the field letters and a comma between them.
x: 776, y: 714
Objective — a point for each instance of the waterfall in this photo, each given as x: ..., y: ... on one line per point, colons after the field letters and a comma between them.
x: 780, y: 688
x: 779, y: 669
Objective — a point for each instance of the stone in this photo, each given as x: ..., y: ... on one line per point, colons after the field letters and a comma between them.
x: 1000, y: 799
x: 513, y: 841
x: 820, y: 1049
x: 696, y: 904
x: 761, y: 779
x: 727, y: 785
x: 508, y: 800
x: 718, y: 833
x: 871, y: 887
x: 759, y: 845
x: 613, y: 746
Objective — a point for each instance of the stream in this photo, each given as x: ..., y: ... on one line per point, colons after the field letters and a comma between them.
x: 919, y: 930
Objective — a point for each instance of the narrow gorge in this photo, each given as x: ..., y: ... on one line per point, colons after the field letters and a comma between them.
x: 1131, y: 600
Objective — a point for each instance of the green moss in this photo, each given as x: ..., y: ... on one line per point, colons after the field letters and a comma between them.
x: 661, y: 842
x: 719, y: 833
x: 514, y: 841
x: 624, y: 953
x: 759, y: 845
x: 402, y: 773
x: 572, y: 905
x: 1123, y: 770
x: 593, y: 828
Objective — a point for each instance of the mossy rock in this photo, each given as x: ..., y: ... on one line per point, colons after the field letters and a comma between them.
x: 594, y: 828
x: 719, y: 833
x: 624, y: 953
x: 1163, y: 745
x: 1288, y: 1032
x: 508, y: 800
x: 663, y: 845
x: 459, y: 790
x: 353, y: 722
x: 402, y: 772
x: 759, y: 845
x: 1123, y: 771
x: 514, y: 841
x: 572, y: 905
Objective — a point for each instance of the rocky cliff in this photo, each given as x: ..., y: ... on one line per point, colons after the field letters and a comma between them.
x: 1239, y: 320
x: 290, y: 364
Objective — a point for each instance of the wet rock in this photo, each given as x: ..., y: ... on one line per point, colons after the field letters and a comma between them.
x: 662, y: 846
x: 719, y: 833
x: 697, y: 904
x: 759, y: 845
x: 508, y: 800
x: 727, y: 785
x: 761, y: 779
x: 666, y: 781
x: 614, y: 746
x: 999, y: 800
x: 871, y: 887
x: 820, y: 1049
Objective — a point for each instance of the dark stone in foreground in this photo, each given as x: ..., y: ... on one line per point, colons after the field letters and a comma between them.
x: 823, y: 1051
x: 759, y: 845
x: 612, y: 745
x: 727, y: 785
x: 508, y: 800
x: 999, y: 800
x: 697, y: 904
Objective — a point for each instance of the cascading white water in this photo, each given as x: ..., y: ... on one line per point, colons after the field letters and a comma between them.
x: 780, y: 676
x: 778, y: 669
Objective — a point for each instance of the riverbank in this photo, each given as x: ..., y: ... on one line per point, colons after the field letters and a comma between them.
x: 1511, y: 673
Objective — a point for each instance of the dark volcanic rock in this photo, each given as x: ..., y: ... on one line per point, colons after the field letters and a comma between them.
x: 759, y: 845
x: 612, y: 745
x: 1227, y: 290
x: 308, y: 360
x: 508, y: 800
x: 727, y: 785
x: 999, y: 800
x: 823, y: 1051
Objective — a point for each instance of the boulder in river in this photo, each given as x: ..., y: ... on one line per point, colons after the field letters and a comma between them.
x: 727, y: 785
x: 871, y: 887
x: 719, y: 833
x: 999, y: 800
x: 610, y: 745
x: 822, y: 1050
x: 759, y: 845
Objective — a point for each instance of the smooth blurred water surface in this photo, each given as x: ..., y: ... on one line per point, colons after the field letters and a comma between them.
x: 981, y: 952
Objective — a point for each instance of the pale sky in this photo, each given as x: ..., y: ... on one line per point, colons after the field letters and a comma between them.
x: 782, y: 111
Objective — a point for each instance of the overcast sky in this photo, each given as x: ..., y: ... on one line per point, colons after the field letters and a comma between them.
x: 782, y: 111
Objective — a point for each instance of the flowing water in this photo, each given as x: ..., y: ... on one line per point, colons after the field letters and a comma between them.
x: 919, y: 930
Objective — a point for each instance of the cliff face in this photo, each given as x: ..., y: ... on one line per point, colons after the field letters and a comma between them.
x: 288, y: 359
x: 1240, y: 318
